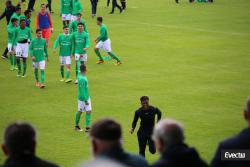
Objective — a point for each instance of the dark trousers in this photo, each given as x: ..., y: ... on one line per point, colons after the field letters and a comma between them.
x: 49, y: 5
x: 94, y: 6
x: 123, y: 2
x: 114, y: 5
x: 108, y: 2
x: 143, y: 140
x: 177, y: 1
x: 31, y: 4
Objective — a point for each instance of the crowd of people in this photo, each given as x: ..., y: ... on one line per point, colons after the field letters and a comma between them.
x: 107, y: 146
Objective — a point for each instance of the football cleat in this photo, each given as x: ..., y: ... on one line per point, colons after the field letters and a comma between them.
x: 100, y: 62
x: 68, y: 80
x: 77, y: 128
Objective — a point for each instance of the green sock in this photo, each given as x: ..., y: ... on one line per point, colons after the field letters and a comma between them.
x: 97, y: 52
x: 42, y: 76
x: 62, y: 71
x: 11, y: 60
x: 24, y: 67
x: 114, y: 56
x: 78, y: 117
x: 67, y: 74
x: 36, y: 74
x: 19, y: 67
x: 88, y: 119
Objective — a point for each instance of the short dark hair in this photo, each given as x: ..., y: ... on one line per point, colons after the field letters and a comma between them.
x: 66, y: 26
x: 100, y: 19
x: 18, y: 8
x: 38, y: 30
x: 20, y: 139
x: 27, y: 12
x: 9, y: 2
x: 83, y: 68
x: 143, y: 98
x: 106, y: 129
x: 79, y: 14
x: 80, y: 24
x: 43, y: 4
x: 247, y: 107
x: 14, y: 20
x: 22, y: 19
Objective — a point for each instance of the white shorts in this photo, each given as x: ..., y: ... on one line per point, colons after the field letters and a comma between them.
x: 11, y: 48
x: 40, y: 64
x: 106, y: 45
x: 65, y: 60
x: 73, y: 18
x: 66, y: 17
x: 83, y: 57
x: 82, y: 107
x: 22, y: 50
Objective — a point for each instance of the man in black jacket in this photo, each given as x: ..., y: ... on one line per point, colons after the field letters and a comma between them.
x: 147, y: 115
x: 106, y: 144
x: 8, y: 11
x: 31, y: 5
x: 238, y: 142
x: 20, y: 145
x: 169, y: 140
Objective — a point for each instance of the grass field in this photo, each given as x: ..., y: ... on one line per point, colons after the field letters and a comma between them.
x: 191, y: 59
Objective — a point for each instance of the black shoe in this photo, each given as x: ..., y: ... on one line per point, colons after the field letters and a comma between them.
x: 77, y: 128
x: 121, y: 11
x: 87, y: 129
x: 111, y: 13
x: 4, y: 56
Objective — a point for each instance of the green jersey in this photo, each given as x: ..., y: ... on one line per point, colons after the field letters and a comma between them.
x: 66, y: 44
x: 103, y: 33
x: 23, y: 34
x: 65, y: 6
x: 80, y: 41
x: 18, y: 17
x: 76, y: 7
x: 11, y: 34
x: 73, y: 26
x: 38, y: 49
x: 83, y: 88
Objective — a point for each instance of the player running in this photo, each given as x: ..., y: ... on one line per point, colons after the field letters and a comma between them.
x: 65, y: 11
x: 84, y: 102
x: 80, y: 46
x: 23, y: 37
x: 65, y: 41
x: 38, y: 51
x: 73, y: 25
x: 103, y: 42
x: 11, y: 42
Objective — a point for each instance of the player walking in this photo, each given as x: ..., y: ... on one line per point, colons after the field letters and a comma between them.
x: 11, y: 42
x: 73, y: 25
x: 23, y: 37
x: 103, y: 42
x: 66, y: 11
x: 84, y: 102
x: 80, y: 46
x: 76, y: 8
x: 38, y: 51
x: 65, y: 41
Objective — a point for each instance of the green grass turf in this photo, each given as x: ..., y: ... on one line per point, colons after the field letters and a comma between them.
x: 191, y: 59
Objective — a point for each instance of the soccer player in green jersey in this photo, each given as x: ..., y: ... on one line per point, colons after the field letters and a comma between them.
x: 76, y: 8
x: 84, y: 102
x: 103, y: 42
x: 73, y: 25
x: 65, y: 41
x: 11, y: 42
x: 23, y: 37
x: 80, y: 46
x: 18, y: 15
x: 65, y: 11
x: 38, y: 51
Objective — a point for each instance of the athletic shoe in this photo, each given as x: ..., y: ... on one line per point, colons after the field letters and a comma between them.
x: 111, y: 13
x: 68, y: 80
x: 62, y: 80
x: 18, y: 75
x: 42, y: 86
x: 118, y: 63
x: 15, y: 68
x: 76, y: 81
x: 12, y: 68
x: 24, y: 76
x: 77, y: 128
x: 4, y: 56
x: 37, y: 84
x: 121, y: 11
x: 100, y: 62
x: 87, y: 129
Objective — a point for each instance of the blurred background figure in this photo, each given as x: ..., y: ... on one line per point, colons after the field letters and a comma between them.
x: 115, y: 5
x: 106, y: 135
x: 238, y: 142
x: 20, y: 147
x: 103, y: 163
x: 123, y: 2
x: 177, y: 1
x: 94, y: 7
x: 169, y: 140
x: 49, y: 5
x: 31, y: 5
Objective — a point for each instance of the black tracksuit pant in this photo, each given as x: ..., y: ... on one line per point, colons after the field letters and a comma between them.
x: 31, y: 4
x: 144, y: 139
x: 114, y: 5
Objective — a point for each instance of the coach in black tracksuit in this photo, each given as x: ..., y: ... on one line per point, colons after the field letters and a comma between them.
x: 9, y: 10
x: 147, y: 115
